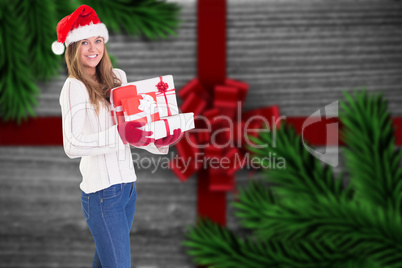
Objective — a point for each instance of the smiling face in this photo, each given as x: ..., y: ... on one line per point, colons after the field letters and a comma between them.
x: 91, y: 53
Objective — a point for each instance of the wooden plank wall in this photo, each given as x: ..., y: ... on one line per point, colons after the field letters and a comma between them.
x: 299, y: 55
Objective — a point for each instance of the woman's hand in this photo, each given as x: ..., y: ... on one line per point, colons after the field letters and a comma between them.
x: 130, y: 133
x: 169, y: 139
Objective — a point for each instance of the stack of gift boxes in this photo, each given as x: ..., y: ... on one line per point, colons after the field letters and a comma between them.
x: 152, y: 101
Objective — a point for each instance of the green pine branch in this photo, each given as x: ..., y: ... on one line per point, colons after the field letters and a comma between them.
x: 215, y: 246
x: 62, y: 9
x: 371, y: 156
x: 164, y: 16
x: 349, y: 227
x: 38, y: 19
x: 304, y: 175
x: 17, y: 91
x: 252, y: 203
x: 307, y: 213
x: 362, y: 230
x: 151, y: 18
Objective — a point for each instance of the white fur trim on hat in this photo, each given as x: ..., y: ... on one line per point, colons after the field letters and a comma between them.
x: 87, y: 31
x: 57, y: 48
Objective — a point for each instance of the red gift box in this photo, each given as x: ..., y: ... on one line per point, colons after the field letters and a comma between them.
x: 141, y: 108
x: 116, y: 96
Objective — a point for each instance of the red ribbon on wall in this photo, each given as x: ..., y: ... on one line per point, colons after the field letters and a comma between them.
x: 47, y: 131
x: 211, y: 96
x: 211, y: 42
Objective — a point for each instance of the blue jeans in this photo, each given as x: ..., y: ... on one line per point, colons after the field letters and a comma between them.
x: 109, y: 214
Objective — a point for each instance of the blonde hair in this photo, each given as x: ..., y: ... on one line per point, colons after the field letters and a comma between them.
x: 98, y: 90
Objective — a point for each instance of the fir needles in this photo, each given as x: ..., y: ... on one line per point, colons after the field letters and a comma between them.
x: 306, y: 217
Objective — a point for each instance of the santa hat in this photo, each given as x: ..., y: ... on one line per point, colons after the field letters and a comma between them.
x: 81, y: 24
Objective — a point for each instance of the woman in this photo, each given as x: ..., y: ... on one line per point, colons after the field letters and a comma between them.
x: 108, y: 177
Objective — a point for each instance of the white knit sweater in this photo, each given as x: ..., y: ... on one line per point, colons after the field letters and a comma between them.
x: 105, y: 160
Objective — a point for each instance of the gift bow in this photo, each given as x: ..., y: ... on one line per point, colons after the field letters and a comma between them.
x: 162, y: 90
x: 147, y: 105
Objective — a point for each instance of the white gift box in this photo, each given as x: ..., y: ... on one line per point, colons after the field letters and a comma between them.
x: 166, y: 99
x: 160, y: 128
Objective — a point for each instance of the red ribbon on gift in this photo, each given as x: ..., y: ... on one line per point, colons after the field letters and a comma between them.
x: 167, y: 127
x: 141, y: 108
x: 162, y: 89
